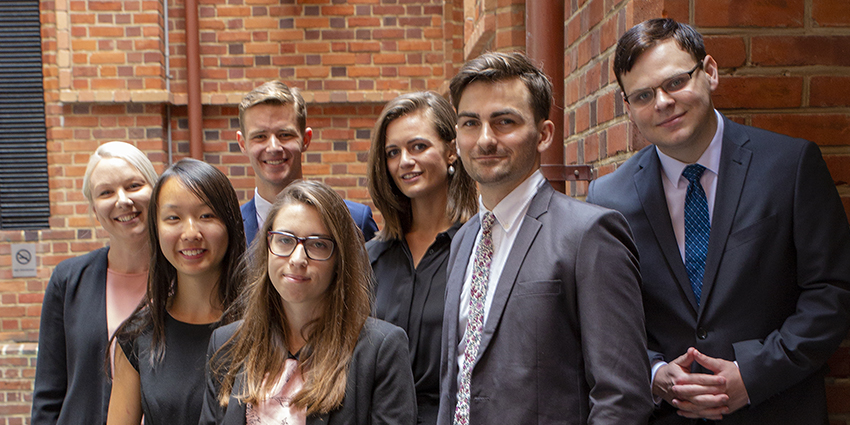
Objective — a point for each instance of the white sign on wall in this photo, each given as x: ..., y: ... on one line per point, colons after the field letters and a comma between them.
x: 23, y: 260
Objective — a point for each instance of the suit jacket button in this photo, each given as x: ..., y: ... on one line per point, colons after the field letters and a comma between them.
x: 701, y: 333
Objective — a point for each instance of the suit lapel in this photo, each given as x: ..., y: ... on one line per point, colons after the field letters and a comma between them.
x: 734, y: 163
x: 527, y: 233
x: 651, y: 193
x: 454, y: 287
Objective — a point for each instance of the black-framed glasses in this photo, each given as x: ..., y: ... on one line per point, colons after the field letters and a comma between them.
x: 283, y: 244
x: 673, y: 84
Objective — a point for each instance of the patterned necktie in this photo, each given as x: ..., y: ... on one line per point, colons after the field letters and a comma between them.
x: 697, y: 228
x: 475, y: 320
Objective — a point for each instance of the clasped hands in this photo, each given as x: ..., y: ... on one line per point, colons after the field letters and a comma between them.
x: 700, y: 395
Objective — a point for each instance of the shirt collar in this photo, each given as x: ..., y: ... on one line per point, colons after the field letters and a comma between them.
x: 710, y: 159
x: 509, y: 210
x: 263, y: 206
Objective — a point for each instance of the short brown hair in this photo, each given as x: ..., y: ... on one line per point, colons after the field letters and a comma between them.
x: 647, y: 34
x: 275, y: 93
x: 393, y: 204
x: 498, y: 66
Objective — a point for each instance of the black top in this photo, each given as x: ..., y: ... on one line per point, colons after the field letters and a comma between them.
x: 70, y: 384
x: 172, y: 390
x: 413, y: 299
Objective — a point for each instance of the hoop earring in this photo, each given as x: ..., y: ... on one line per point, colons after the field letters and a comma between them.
x: 451, y: 170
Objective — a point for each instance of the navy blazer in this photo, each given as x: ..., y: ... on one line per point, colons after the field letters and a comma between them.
x: 563, y: 342
x: 71, y: 386
x: 379, y: 388
x: 361, y: 214
x: 776, y: 290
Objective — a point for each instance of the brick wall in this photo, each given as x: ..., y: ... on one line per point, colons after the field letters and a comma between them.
x: 105, y: 79
x: 783, y: 67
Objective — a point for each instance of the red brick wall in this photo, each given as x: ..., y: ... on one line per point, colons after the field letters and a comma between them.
x: 105, y: 79
x: 783, y: 67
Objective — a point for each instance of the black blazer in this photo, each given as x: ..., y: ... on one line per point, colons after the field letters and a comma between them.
x: 70, y: 384
x: 776, y: 291
x: 379, y: 389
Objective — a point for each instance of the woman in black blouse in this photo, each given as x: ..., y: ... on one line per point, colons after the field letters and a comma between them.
x: 197, y: 241
x: 424, y: 195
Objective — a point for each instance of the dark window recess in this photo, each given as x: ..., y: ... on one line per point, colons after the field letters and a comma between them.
x: 24, y: 197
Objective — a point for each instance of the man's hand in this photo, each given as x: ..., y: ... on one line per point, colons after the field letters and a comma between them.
x: 734, y: 387
x: 696, y: 395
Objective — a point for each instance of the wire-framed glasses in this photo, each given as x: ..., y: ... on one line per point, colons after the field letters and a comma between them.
x: 673, y: 84
x: 283, y: 244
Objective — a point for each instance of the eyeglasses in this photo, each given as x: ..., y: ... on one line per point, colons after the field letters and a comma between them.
x: 283, y: 244
x: 673, y: 84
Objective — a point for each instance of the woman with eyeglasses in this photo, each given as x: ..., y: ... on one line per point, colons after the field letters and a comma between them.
x: 306, y: 351
x: 197, y: 241
x: 89, y: 296
x: 424, y: 195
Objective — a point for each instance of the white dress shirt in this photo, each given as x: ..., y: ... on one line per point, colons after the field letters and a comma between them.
x: 263, y: 208
x: 509, y: 216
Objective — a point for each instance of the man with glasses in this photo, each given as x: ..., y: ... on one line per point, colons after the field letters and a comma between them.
x: 744, y: 244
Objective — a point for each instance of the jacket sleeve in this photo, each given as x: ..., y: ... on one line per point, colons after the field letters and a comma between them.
x: 393, y: 394
x: 211, y: 411
x: 613, y: 336
x: 51, y: 374
x: 807, y: 338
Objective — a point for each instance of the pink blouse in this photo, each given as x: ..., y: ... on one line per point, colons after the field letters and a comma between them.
x: 275, y: 410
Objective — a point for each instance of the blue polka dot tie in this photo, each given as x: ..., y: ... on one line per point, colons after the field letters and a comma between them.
x: 475, y: 320
x: 697, y: 228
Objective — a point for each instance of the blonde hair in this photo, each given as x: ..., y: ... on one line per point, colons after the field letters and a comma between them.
x: 121, y: 150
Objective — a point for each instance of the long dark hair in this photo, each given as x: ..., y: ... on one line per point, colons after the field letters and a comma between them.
x: 214, y: 189
x: 258, y: 348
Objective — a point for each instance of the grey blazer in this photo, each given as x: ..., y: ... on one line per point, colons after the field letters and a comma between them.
x: 379, y: 388
x: 776, y: 291
x: 70, y: 384
x: 564, y: 340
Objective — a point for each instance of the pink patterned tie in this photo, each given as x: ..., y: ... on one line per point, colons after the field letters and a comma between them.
x: 475, y: 321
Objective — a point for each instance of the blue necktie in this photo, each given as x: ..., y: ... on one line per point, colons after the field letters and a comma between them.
x: 697, y: 228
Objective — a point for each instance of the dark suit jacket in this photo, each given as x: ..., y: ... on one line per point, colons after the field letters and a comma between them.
x: 70, y: 383
x: 776, y: 291
x: 564, y: 340
x: 361, y: 214
x: 379, y: 388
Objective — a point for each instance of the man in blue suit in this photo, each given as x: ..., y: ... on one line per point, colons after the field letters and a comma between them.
x: 273, y: 133
x: 744, y: 244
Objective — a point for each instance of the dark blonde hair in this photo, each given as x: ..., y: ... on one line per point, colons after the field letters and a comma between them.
x: 213, y: 188
x: 393, y: 204
x: 258, y: 348
x: 493, y: 67
x: 275, y: 93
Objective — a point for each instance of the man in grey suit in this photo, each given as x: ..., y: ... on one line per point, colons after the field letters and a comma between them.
x: 744, y: 244
x: 543, y: 321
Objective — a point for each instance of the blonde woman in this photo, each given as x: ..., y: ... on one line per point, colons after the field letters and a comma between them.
x: 89, y: 296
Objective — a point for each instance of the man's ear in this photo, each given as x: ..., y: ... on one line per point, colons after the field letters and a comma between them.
x: 308, y: 136
x: 547, y: 134
x: 240, y: 139
x: 710, y: 68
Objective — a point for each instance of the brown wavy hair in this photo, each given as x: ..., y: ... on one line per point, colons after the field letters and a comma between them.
x: 257, y: 350
x: 393, y: 204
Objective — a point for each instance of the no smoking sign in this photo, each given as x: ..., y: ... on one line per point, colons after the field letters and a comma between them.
x: 23, y: 260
